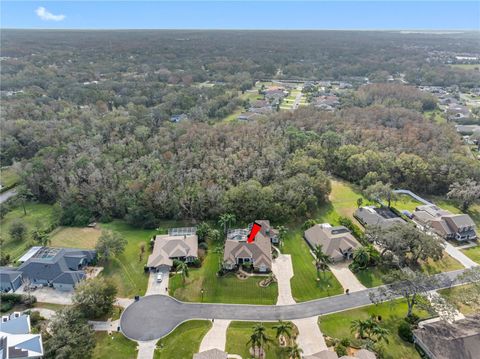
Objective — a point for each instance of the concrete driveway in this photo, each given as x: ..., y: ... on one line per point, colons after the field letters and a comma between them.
x: 49, y: 295
x: 459, y: 256
x: 310, y: 338
x: 153, y: 317
x: 216, y: 337
x: 283, y: 270
x: 155, y: 287
x: 347, y: 279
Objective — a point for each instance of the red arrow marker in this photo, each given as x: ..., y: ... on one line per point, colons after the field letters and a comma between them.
x: 255, y: 229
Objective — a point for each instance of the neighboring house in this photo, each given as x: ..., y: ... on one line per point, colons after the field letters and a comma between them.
x: 337, y: 242
x: 444, y: 223
x: 61, y: 268
x: 238, y: 252
x: 443, y: 340
x: 10, y: 279
x: 169, y: 247
x: 373, y: 216
x: 16, y: 340
x: 211, y: 354
x: 329, y: 354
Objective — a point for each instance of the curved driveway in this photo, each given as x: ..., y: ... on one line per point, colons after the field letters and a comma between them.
x: 154, y: 316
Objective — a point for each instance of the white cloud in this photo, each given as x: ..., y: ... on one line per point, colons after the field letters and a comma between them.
x: 44, y: 14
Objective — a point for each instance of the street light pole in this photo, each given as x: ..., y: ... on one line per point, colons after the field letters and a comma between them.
x: 202, y: 291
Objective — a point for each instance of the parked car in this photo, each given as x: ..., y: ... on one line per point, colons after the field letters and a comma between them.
x: 159, y: 277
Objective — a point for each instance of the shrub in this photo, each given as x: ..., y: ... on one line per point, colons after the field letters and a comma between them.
x: 309, y: 223
x: 203, y: 245
x: 405, y: 332
x: 9, y: 300
x: 412, y: 319
x: 341, y: 350
x: 196, y: 263
x: 345, y: 342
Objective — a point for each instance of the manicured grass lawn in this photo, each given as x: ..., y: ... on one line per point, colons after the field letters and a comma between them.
x: 473, y: 253
x: 452, y: 295
x: 371, y: 277
x: 114, y: 346
x: 338, y: 326
x: 405, y: 202
x: 304, y: 285
x: 184, y: 341
x: 8, y: 177
x: 75, y: 237
x: 446, y: 264
x: 226, y: 289
x: 238, y: 335
x: 343, y: 202
x: 37, y: 214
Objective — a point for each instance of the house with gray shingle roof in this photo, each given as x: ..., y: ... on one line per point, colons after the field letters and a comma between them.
x: 239, y: 252
x: 10, y: 279
x: 61, y: 268
x: 444, y: 223
x: 443, y: 340
x: 167, y: 248
x: 337, y: 242
x: 16, y: 340
x: 373, y: 216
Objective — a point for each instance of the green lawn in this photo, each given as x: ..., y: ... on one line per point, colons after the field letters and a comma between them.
x: 343, y: 203
x: 114, y: 346
x: 8, y: 178
x: 446, y: 264
x: 406, y: 202
x: 126, y: 270
x: 75, y: 237
x: 453, y: 296
x: 37, y: 214
x: 338, y: 326
x: 371, y: 277
x: 473, y: 253
x: 227, y: 289
x: 238, y: 335
x: 304, y: 285
x: 184, y: 341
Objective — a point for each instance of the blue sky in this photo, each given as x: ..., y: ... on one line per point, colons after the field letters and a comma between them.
x: 454, y: 15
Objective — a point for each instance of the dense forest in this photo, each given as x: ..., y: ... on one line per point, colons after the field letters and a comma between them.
x: 87, y: 125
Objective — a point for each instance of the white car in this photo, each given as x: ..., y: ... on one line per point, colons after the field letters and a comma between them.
x: 159, y: 277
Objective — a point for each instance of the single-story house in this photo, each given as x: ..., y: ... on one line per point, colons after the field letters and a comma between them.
x: 211, y: 354
x: 168, y: 247
x: 374, y: 216
x: 444, y: 340
x: 16, y: 340
x: 61, y: 268
x: 337, y: 242
x: 10, y: 279
x: 259, y: 253
x: 444, y: 223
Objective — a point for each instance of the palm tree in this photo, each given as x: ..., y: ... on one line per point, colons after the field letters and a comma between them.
x: 361, y: 256
x: 359, y: 326
x: 259, y: 338
x: 183, y: 267
x: 322, y: 260
x: 379, y: 333
x: 226, y: 220
x: 283, y: 329
x: 294, y: 352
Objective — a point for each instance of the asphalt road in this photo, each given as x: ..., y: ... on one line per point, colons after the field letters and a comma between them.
x: 153, y: 317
